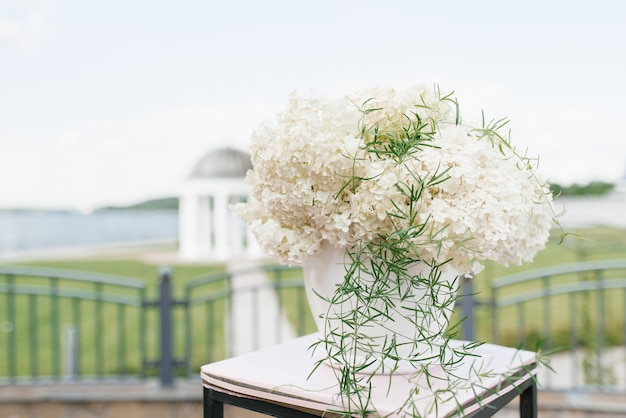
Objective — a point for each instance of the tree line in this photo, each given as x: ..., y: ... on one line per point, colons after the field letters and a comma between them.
x: 594, y: 188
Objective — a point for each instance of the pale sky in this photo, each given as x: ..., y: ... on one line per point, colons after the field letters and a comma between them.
x: 112, y: 102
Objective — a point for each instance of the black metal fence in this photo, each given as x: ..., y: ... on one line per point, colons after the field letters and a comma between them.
x: 577, y: 310
x: 228, y: 314
x: 70, y: 326
x: 52, y: 322
x: 60, y: 325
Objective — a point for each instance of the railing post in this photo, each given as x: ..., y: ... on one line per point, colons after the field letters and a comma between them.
x: 166, y: 361
x: 467, y: 306
x: 70, y: 348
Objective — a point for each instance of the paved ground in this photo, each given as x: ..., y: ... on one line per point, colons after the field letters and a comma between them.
x: 184, y: 400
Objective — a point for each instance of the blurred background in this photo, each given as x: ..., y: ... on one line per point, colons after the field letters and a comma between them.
x: 112, y: 104
x: 107, y: 109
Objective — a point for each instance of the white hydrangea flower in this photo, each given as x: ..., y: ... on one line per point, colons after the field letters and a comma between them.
x: 315, y: 178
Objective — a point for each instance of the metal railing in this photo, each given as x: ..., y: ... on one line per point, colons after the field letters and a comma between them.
x: 578, y: 310
x: 229, y: 314
x: 67, y: 312
x: 101, y: 327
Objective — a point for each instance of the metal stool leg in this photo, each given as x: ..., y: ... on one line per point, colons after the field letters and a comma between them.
x: 528, y: 402
x: 212, y: 407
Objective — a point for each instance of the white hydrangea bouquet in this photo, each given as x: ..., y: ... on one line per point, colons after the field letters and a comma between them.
x: 389, y: 181
x: 337, y: 169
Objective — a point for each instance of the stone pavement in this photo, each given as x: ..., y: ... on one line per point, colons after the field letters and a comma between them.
x: 142, y: 400
x: 184, y: 400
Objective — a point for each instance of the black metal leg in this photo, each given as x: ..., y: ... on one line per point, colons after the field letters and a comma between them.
x: 212, y: 407
x: 528, y: 402
x: 214, y: 404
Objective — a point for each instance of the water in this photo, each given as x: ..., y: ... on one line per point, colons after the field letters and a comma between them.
x: 23, y: 231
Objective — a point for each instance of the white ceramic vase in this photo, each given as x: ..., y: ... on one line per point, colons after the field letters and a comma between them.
x: 407, y: 329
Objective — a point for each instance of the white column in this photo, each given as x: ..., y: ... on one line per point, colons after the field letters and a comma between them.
x: 188, y: 213
x: 204, y: 228
x: 236, y: 229
x: 220, y: 220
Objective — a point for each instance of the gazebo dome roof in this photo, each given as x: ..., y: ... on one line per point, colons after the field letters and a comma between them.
x: 225, y: 162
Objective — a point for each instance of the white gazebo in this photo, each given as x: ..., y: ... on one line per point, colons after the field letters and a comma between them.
x: 208, y: 230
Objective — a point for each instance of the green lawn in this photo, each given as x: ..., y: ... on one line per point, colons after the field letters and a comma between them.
x: 580, y: 312
x: 115, y: 349
x: 109, y: 335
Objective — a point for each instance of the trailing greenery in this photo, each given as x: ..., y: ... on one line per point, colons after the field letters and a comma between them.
x: 381, y: 288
